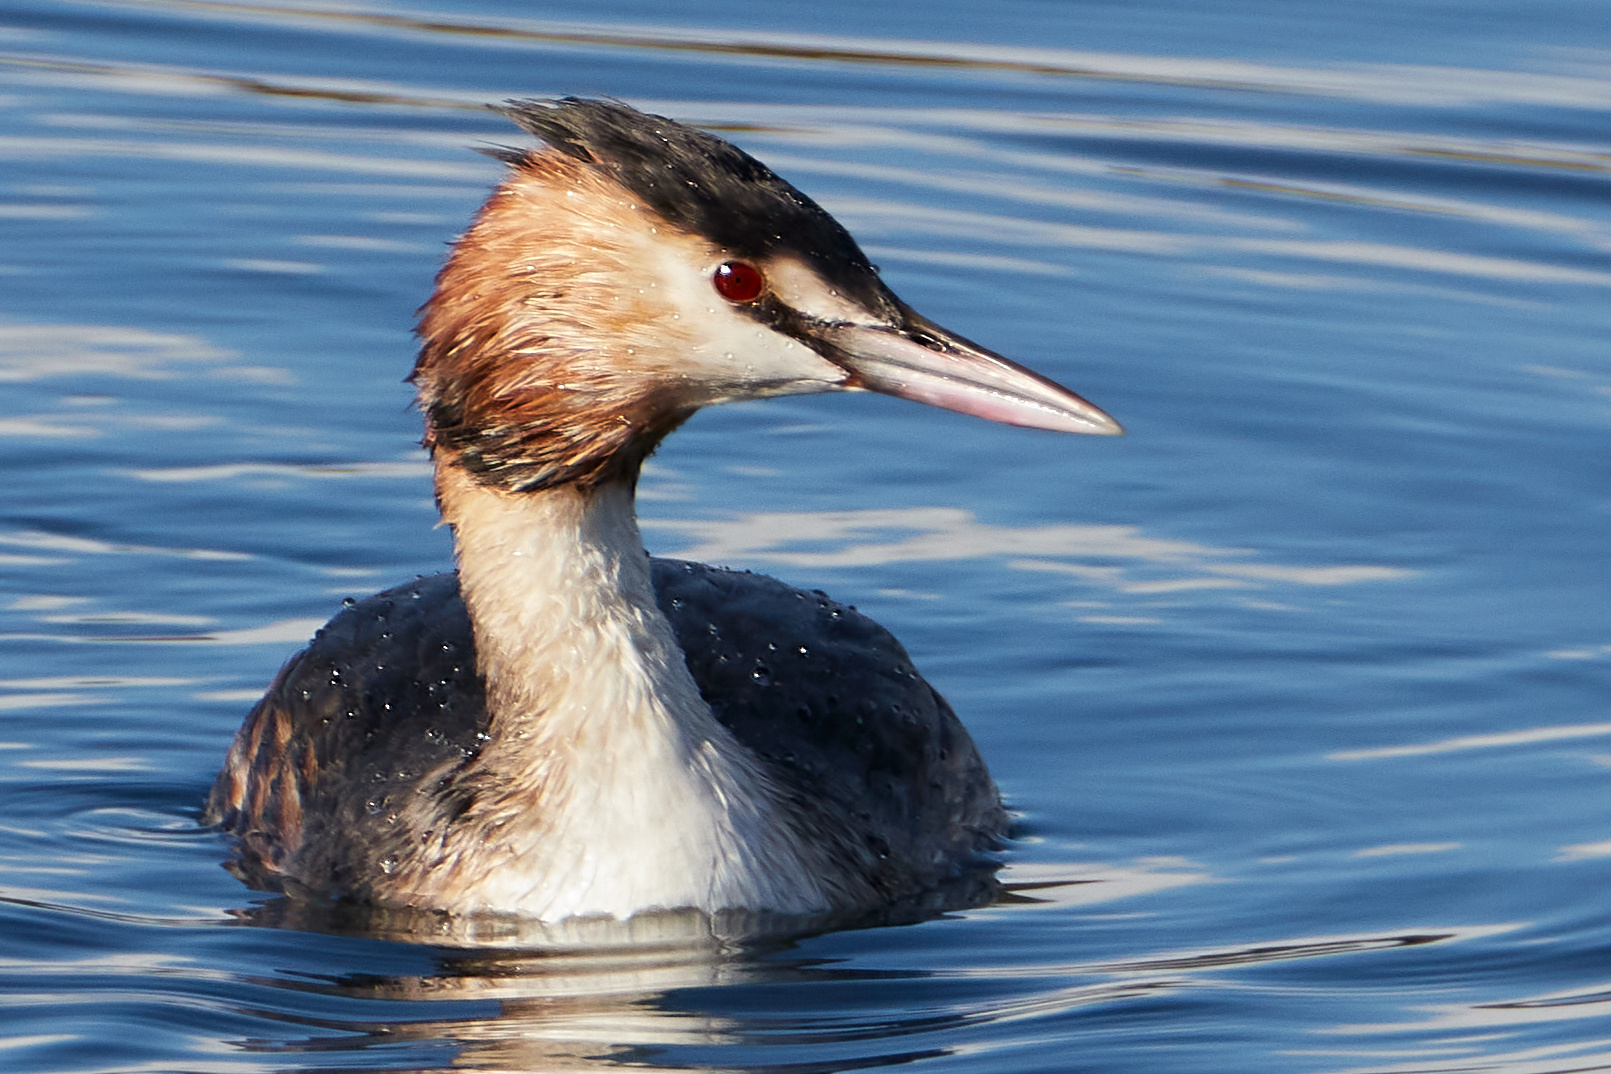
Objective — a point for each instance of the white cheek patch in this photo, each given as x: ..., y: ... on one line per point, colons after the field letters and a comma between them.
x: 798, y: 286
x: 717, y: 344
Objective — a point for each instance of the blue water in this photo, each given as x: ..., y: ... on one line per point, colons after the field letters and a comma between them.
x: 1300, y: 689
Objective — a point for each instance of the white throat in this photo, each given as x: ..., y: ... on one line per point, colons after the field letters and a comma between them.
x: 613, y: 788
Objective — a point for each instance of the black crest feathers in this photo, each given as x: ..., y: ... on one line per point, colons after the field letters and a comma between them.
x: 699, y: 183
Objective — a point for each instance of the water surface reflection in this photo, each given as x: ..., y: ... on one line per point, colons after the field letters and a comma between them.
x: 1300, y: 687
x: 665, y: 1006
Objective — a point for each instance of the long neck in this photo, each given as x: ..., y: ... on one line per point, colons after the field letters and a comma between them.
x: 614, y: 788
x: 557, y: 583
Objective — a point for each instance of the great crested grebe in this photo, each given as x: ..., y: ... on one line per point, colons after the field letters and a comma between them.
x: 567, y: 726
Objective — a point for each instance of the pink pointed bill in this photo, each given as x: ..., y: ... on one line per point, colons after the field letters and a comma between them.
x: 927, y: 364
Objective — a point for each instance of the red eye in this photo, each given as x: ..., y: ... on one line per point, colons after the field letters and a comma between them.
x: 738, y: 281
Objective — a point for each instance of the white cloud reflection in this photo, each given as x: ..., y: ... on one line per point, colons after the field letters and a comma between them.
x: 89, y: 765
x: 1393, y: 850
x: 878, y: 217
x: 934, y: 533
x: 1120, y: 558
x: 61, y: 542
x: 282, y: 268
x: 1059, y: 885
x: 230, y: 471
x: 45, y: 428
x: 1585, y: 851
x: 1461, y: 743
x: 12, y: 702
x: 1473, y: 1031
x: 279, y: 632
x: 31, y: 352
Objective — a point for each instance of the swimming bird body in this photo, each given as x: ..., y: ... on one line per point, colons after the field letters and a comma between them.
x: 566, y: 727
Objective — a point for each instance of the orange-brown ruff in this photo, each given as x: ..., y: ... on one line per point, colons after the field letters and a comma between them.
x: 520, y: 365
x: 566, y: 727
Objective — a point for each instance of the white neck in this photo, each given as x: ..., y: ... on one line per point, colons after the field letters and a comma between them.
x: 615, y: 788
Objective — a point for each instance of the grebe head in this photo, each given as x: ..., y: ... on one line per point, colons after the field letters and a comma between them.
x: 635, y: 269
